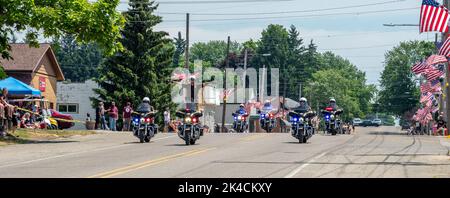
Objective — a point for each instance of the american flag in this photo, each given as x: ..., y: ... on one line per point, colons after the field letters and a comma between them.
x: 436, y: 59
x: 425, y: 87
x: 445, y: 48
x: 433, y: 17
x: 429, y: 103
x: 435, y: 86
x: 433, y: 73
x: 426, y: 96
x: 419, y: 68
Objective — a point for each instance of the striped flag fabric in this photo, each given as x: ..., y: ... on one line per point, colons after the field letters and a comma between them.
x: 445, y: 48
x: 433, y: 17
x: 425, y: 87
x: 433, y: 74
x: 419, y: 68
x: 429, y: 103
x: 436, y: 59
x: 425, y: 97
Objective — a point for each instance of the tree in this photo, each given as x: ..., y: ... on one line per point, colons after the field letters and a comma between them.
x: 89, y: 21
x: 143, y: 68
x: 274, y: 41
x: 212, y: 53
x: 295, y: 71
x: 2, y: 74
x: 79, y: 62
x: 180, y: 46
x: 311, y: 60
x: 339, y: 84
x: 399, y: 87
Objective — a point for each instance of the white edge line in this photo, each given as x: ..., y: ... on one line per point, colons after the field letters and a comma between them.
x: 76, y: 153
x: 300, y: 168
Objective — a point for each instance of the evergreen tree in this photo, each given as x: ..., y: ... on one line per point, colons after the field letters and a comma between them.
x: 79, y: 62
x: 143, y: 68
x: 180, y: 46
x: 295, y: 71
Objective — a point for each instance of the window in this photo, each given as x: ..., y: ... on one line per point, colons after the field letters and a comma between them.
x: 68, y: 108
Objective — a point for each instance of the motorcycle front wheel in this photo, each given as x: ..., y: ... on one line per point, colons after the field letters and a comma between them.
x: 186, y: 138
x: 141, y: 137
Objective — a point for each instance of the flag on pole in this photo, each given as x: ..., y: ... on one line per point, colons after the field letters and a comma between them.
x: 433, y: 73
x: 425, y: 87
x: 419, y: 68
x: 433, y: 17
x: 425, y: 97
x: 436, y: 59
x: 445, y: 48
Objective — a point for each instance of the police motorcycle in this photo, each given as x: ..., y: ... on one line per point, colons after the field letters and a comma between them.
x: 144, y: 126
x: 267, y: 121
x: 190, y: 129
x: 240, y: 122
x: 332, y: 121
x: 300, y: 127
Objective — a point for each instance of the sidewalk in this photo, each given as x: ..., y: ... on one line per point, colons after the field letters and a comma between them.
x: 445, y: 141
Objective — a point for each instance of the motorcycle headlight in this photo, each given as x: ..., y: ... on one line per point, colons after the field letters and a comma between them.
x: 239, y: 117
x: 332, y: 116
x: 187, y: 120
x: 301, y: 119
x: 294, y: 119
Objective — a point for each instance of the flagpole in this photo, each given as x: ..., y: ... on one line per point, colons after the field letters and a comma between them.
x: 447, y: 76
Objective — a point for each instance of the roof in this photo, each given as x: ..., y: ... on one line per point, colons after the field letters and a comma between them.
x: 17, y: 87
x: 26, y: 58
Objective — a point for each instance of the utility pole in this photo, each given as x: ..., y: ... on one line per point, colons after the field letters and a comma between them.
x: 227, y: 64
x: 245, y: 74
x: 186, y: 58
x: 261, y: 85
x: 447, y: 74
x: 300, y: 91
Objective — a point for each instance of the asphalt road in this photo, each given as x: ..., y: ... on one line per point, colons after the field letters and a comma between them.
x: 371, y: 152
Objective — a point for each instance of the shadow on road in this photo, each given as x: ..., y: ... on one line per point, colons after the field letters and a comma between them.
x: 296, y: 143
x: 181, y: 144
x: 387, y: 133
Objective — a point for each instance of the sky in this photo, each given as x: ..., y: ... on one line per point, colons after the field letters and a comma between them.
x: 356, y: 33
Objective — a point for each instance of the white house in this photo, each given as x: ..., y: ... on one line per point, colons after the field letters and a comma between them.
x: 73, y: 99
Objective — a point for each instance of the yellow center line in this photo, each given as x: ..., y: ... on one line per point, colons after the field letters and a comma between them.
x: 148, y: 163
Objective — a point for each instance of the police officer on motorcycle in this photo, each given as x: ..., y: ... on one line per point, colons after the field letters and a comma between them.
x: 241, y: 110
x: 332, y: 104
x: 145, y: 106
x: 305, y: 109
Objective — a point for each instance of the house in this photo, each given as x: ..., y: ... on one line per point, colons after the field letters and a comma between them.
x: 74, y: 99
x: 36, y: 67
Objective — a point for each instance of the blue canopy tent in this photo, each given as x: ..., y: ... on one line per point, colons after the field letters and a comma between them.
x: 17, y: 87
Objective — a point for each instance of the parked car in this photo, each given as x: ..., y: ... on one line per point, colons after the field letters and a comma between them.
x: 376, y: 122
x: 62, y: 124
x: 357, y: 122
x: 366, y: 123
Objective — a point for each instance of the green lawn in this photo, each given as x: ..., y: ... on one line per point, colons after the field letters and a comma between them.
x: 23, y: 136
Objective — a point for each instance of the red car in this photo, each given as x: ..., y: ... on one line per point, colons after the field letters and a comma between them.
x: 62, y: 124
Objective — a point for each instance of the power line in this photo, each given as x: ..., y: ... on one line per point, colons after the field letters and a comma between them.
x: 288, y: 12
x: 206, y: 2
x: 365, y: 47
x: 284, y: 17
